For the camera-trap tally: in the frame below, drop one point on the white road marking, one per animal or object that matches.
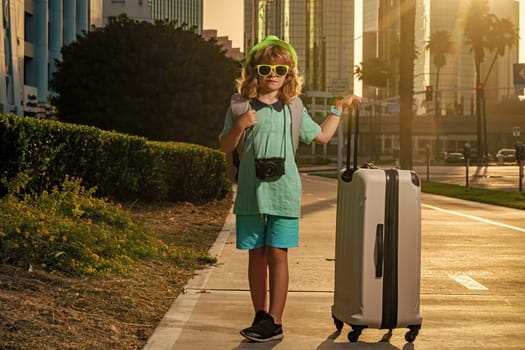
(468, 282)
(475, 218)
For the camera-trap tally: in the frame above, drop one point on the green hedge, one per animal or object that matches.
(120, 166)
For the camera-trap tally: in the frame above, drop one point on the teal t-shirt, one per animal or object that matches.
(270, 137)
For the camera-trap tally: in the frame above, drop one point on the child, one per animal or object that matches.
(267, 204)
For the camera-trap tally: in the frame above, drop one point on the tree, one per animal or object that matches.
(502, 36)
(478, 22)
(154, 80)
(374, 72)
(485, 31)
(440, 45)
(406, 81)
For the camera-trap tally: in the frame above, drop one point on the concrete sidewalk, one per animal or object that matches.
(472, 286)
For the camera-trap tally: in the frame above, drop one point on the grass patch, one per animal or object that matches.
(502, 198)
(70, 230)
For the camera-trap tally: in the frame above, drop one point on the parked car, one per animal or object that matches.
(455, 157)
(506, 155)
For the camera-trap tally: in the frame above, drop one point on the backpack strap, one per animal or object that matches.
(296, 110)
(239, 105)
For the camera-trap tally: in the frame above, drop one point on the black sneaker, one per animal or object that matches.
(259, 316)
(264, 331)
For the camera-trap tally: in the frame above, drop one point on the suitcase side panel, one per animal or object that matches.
(345, 276)
(358, 293)
(409, 262)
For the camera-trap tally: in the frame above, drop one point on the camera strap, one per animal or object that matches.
(283, 143)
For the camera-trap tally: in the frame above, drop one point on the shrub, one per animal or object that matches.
(120, 166)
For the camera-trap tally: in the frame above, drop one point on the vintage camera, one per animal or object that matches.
(269, 167)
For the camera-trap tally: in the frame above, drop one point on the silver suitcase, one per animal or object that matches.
(378, 249)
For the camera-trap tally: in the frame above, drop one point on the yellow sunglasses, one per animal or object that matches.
(265, 70)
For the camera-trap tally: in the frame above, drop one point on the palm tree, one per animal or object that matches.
(478, 22)
(440, 46)
(503, 35)
(406, 81)
(373, 71)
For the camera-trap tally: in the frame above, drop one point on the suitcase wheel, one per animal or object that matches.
(338, 323)
(411, 335)
(353, 336)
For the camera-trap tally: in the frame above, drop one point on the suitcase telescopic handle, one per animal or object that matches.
(380, 248)
(347, 174)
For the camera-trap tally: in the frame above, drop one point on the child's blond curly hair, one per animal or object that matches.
(247, 83)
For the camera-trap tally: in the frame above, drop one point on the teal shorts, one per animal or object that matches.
(255, 231)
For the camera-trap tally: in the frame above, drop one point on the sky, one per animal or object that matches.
(227, 16)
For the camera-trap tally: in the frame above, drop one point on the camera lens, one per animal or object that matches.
(270, 170)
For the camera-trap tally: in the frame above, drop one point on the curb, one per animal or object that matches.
(171, 325)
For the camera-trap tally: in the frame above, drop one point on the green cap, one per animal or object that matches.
(271, 40)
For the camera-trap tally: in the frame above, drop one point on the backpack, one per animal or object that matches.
(240, 105)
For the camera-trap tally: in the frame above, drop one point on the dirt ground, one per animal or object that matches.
(50, 311)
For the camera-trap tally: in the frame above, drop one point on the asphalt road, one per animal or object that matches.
(472, 284)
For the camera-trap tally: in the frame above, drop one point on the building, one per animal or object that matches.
(332, 36)
(319, 32)
(139, 10)
(181, 12)
(457, 77)
(225, 43)
(34, 32)
(381, 31)
(188, 12)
